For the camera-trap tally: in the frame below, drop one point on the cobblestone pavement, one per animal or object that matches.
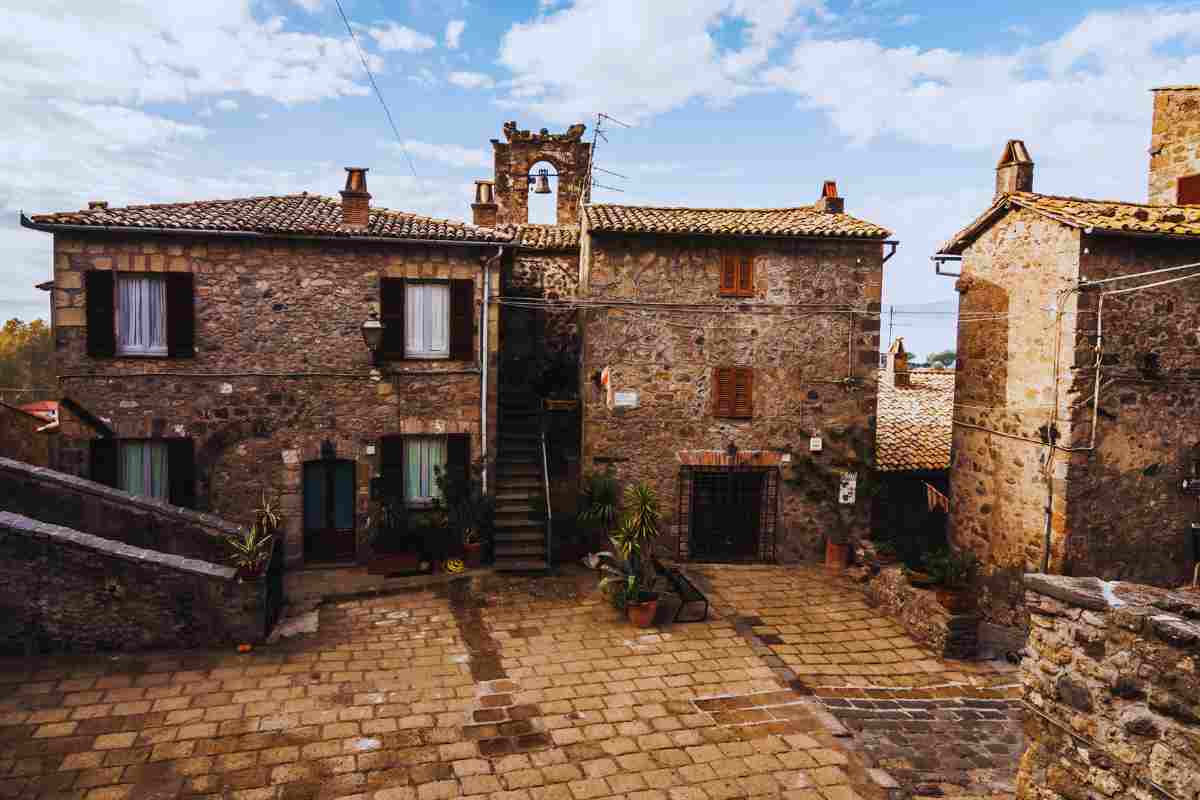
(507, 688)
(936, 726)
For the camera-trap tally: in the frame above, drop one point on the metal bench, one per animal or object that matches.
(687, 591)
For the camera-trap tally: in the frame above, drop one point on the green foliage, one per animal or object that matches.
(26, 354)
(951, 569)
(251, 549)
(626, 572)
(944, 358)
(387, 523)
(468, 510)
(602, 498)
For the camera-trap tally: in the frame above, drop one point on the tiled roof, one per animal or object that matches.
(293, 214)
(914, 423)
(1107, 216)
(798, 222)
(545, 237)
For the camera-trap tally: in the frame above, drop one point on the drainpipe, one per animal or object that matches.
(483, 361)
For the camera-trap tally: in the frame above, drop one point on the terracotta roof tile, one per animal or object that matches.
(294, 214)
(802, 221)
(914, 424)
(1108, 216)
(544, 237)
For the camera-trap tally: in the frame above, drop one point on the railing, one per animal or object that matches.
(546, 484)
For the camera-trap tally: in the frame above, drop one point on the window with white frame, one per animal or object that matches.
(427, 320)
(423, 456)
(141, 306)
(142, 468)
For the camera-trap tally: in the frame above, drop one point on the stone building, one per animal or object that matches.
(1076, 412)
(718, 346)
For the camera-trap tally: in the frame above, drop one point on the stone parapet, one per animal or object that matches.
(1112, 690)
(923, 617)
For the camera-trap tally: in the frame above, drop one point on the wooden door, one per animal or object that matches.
(329, 510)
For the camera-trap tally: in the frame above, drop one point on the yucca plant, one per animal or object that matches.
(603, 498)
(250, 548)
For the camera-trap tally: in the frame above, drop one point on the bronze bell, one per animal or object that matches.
(542, 183)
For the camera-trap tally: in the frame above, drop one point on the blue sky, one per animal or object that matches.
(732, 103)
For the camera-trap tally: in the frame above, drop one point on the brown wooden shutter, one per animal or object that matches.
(743, 393)
(458, 456)
(745, 275)
(181, 472)
(1188, 191)
(102, 461)
(101, 314)
(391, 314)
(722, 392)
(462, 320)
(391, 466)
(181, 315)
(729, 270)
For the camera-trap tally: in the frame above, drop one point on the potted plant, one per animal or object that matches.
(601, 502)
(885, 553)
(467, 510)
(952, 573)
(837, 551)
(634, 539)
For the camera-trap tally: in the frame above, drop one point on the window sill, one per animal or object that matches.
(128, 354)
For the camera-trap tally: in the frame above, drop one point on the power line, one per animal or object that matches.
(363, 58)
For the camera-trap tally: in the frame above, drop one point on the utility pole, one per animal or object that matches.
(891, 324)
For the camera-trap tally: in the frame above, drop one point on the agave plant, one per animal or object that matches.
(250, 549)
(617, 577)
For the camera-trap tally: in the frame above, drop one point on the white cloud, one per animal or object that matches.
(452, 154)
(635, 59)
(225, 104)
(454, 32)
(394, 36)
(425, 77)
(471, 80)
(311, 6)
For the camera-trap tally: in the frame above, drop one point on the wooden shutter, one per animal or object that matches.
(743, 393)
(462, 320)
(729, 269)
(181, 315)
(1188, 191)
(101, 314)
(458, 456)
(181, 472)
(723, 392)
(102, 461)
(391, 314)
(391, 466)
(745, 276)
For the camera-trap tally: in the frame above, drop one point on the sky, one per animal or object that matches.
(729, 103)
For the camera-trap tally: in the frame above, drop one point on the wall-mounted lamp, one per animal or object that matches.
(372, 333)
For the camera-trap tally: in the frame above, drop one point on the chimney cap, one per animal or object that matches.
(897, 347)
(1015, 152)
(94, 204)
(356, 180)
(829, 189)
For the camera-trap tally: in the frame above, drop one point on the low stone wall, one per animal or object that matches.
(56, 497)
(923, 617)
(1113, 691)
(62, 590)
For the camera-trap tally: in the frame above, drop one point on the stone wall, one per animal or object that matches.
(923, 617)
(19, 437)
(1174, 142)
(280, 366)
(801, 355)
(566, 152)
(1112, 692)
(62, 590)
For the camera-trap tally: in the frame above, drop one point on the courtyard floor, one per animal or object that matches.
(520, 688)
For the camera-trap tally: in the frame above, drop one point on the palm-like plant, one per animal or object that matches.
(603, 496)
(624, 570)
(250, 549)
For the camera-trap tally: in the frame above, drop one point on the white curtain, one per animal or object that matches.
(427, 320)
(143, 469)
(421, 455)
(141, 314)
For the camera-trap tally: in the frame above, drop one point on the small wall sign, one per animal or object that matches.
(848, 491)
(814, 444)
(625, 399)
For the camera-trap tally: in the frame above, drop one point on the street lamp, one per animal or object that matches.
(372, 333)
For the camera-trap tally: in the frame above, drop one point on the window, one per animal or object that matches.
(737, 274)
(159, 468)
(427, 320)
(143, 468)
(141, 315)
(423, 457)
(138, 314)
(733, 392)
(1188, 191)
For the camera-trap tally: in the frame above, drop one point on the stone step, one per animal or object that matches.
(510, 494)
(520, 536)
(520, 565)
(520, 549)
(509, 508)
(520, 524)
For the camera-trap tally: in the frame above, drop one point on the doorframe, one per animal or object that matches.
(768, 517)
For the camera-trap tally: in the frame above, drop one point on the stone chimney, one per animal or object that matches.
(97, 204)
(830, 203)
(356, 200)
(484, 211)
(1175, 147)
(897, 364)
(1014, 173)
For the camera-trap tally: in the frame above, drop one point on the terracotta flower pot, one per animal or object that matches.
(641, 614)
(837, 556)
(472, 555)
(953, 599)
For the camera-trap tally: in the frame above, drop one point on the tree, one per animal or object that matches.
(26, 352)
(945, 358)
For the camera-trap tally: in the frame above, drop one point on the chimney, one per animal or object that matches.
(897, 364)
(1174, 178)
(1014, 173)
(485, 210)
(830, 203)
(95, 204)
(356, 200)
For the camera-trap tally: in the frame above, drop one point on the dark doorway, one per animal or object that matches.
(729, 513)
(329, 510)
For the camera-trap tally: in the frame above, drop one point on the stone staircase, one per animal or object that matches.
(520, 525)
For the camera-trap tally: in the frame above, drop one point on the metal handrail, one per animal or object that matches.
(546, 482)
